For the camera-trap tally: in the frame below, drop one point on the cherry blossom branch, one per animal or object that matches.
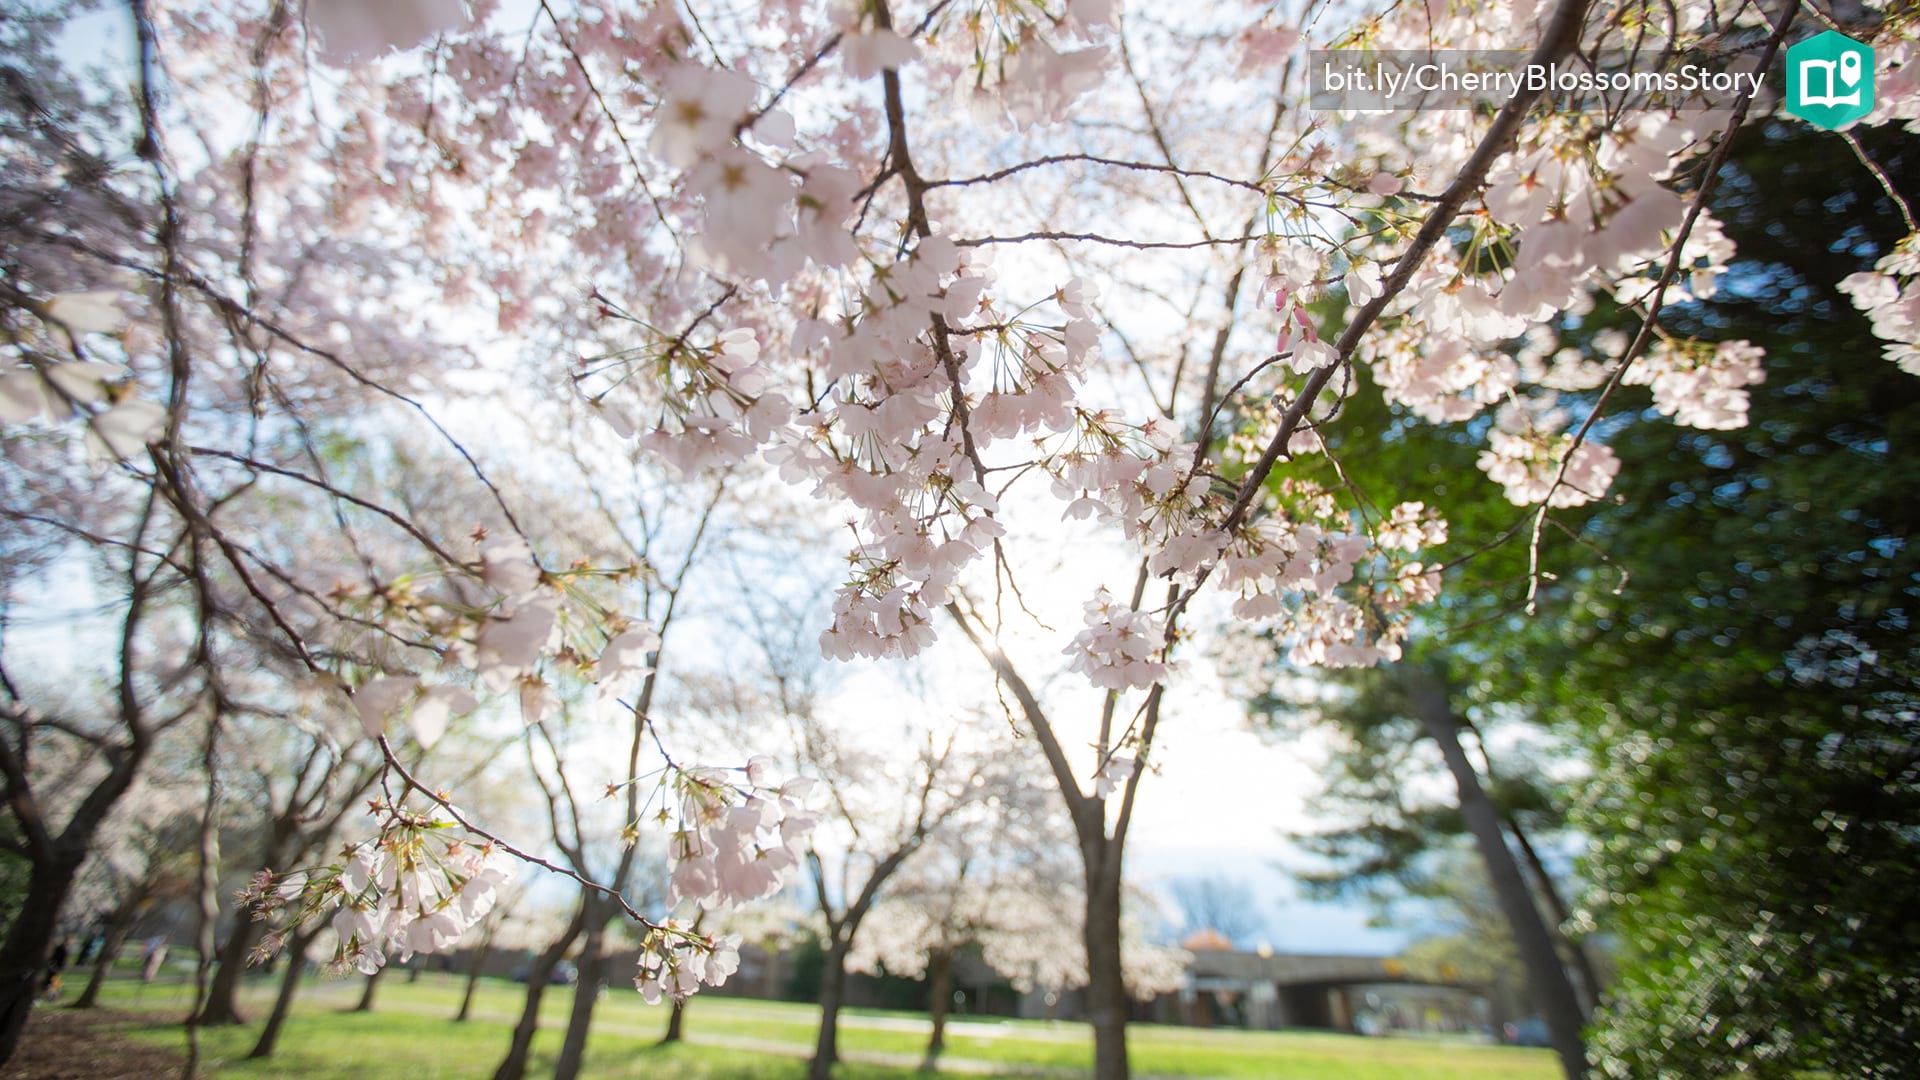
(1110, 241)
(227, 306)
(1160, 136)
(412, 783)
(1096, 159)
(404, 523)
(1709, 179)
(1077, 801)
(1561, 35)
(633, 159)
(826, 47)
(1886, 182)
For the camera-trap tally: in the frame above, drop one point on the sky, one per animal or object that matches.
(1222, 805)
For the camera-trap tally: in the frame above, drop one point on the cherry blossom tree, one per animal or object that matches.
(958, 270)
(982, 874)
(136, 861)
(996, 878)
(560, 737)
(940, 781)
(307, 777)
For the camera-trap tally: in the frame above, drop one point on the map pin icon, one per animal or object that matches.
(1850, 68)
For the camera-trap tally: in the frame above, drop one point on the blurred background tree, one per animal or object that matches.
(1726, 653)
(1748, 702)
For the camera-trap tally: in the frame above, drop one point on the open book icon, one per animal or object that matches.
(1844, 71)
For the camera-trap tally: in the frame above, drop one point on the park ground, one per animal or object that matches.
(410, 1036)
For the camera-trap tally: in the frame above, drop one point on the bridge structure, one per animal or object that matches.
(1266, 990)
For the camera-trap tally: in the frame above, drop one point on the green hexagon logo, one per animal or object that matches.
(1830, 80)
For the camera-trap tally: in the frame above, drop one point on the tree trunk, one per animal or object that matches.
(480, 954)
(833, 991)
(223, 992)
(586, 993)
(514, 1065)
(296, 957)
(939, 999)
(473, 980)
(1107, 1001)
(676, 1024)
(366, 994)
(116, 939)
(1582, 963)
(29, 945)
(1546, 975)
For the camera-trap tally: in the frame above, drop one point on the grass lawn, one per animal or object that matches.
(409, 1036)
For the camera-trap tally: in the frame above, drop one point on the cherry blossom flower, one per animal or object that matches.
(865, 53)
(413, 888)
(699, 109)
(1120, 649)
(356, 28)
(1042, 83)
(97, 312)
(675, 962)
(124, 429)
(733, 844)
(507, 565)
(1113, 775)
(1890, 297)
(1700, 386)
(1526, 465)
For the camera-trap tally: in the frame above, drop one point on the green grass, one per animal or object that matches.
(409, 1036)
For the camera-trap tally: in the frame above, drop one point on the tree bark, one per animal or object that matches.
(833, 992)
(29, 943)
(586, 993)
(480, 954)
(676, 1024)
(296, 957)
(1107, 1000)
(222, 1007)
(1546, 975)
(939, 1000)
(473, 980)
(366, 994)
(514, 1065)
(1582, 963)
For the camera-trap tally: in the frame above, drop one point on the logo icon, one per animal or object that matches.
(1830, 80)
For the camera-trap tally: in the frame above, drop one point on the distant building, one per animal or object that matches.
(1370, 995)
(1265, 990)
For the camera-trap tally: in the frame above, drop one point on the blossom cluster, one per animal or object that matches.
(733, 844)
(928, 375)
(526, 620)
(1534, 467)
(1120, 648)
(676, 961)
(118, 421)
(1293, 270)
(1011, 62)
(1889, 294)
(902, 369)
(414, 888)
(515, 626)
(1701, 386)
